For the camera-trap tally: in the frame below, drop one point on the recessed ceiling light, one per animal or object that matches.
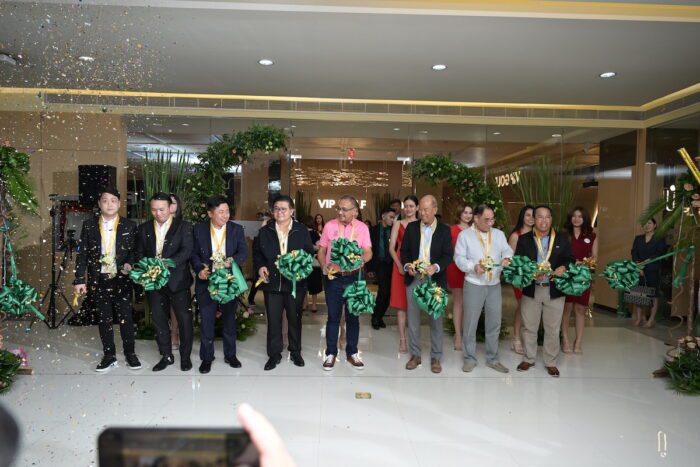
(439, 67)
(185, 124)
(397, 129)
(556, 135)
(265, 62)
(423, 132)
(292, 126)
(86, 59)
(496, 133)
(608, 74)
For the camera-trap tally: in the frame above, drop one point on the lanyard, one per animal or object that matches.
(160, 239)
(538, 240)
(283, 238)
(426, 247)
(108, 243)
(487, 249)
(219, 243)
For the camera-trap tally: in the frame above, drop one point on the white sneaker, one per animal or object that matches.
(356, 362)
(329, 362)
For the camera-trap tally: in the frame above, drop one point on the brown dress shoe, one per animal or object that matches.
(552, 371)
(355, 361)
(524, 366)
(413, 363)
(435, 366)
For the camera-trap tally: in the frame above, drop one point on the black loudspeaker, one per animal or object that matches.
(91, 179)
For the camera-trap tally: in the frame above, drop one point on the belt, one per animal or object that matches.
(348, 273)
(542, 284)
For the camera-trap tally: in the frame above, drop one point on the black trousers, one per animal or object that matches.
(207, 312)
(114, 295)
(276, 304)
(160, 302)
(383, 272)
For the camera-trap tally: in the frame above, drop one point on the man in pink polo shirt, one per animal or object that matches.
(347, 226)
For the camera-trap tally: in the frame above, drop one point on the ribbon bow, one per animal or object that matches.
(622, 274)
(296, 265)
(152, 273)
(17, 297)
(575, 280)
(226, 284)
(358, 299)
(431, 298)
(347, 254)
(520, 272)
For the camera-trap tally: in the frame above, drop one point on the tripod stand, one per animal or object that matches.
(54, 287)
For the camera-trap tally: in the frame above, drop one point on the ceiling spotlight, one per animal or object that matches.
(295, 157)
(397, 129)
(86, 59)
(556, 135)
(423, 132)
(496, 133)
(265, 62)
(185, 124)
(608, 74)
(292, 126)
(439, 67)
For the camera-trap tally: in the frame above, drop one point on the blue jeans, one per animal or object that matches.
(335, 303)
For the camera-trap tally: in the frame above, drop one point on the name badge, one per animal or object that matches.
(587, 240)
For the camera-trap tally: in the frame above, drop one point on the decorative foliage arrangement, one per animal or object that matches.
(220, 157)
(9, 364)
(469, 184)
(379, 202)
(15, 187)
(684, 368)
(550, 184)
(165, 172)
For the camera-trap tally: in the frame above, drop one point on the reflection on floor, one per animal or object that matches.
(604, 410)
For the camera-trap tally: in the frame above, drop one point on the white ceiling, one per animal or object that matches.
(359, 55)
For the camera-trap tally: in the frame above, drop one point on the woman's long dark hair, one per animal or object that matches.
(521, 218)
(178, 201)
(586, 227)
(323, 223)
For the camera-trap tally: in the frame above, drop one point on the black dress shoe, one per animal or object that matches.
(382, 324)
(164, 363)
(205, 367)
(185, 364)
(297, 360)
(233, 362)
(375, 325)
(272, 363)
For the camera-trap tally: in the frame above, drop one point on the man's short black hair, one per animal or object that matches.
(284, 199)
(480, 209)
(214, 202)
(110, 190)
(394, 201)
(160, 196)
(386, 210)
(542, 206)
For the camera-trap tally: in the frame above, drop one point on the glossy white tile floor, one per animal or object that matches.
(605, 409)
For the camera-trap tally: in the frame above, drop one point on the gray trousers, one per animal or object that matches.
(549, 311)
(476, 298)
(413, 316)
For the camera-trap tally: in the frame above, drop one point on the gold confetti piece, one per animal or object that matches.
(363, 395)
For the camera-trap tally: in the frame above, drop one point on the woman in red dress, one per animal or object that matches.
(455, 277)
(526, 219)
(584, 244)
(398, 288)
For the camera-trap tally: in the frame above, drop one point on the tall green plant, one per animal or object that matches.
(544, 183)
(302, 206)
(163, 171)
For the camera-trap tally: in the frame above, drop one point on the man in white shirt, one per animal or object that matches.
(481, 252)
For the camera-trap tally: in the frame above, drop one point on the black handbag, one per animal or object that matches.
(640, 295)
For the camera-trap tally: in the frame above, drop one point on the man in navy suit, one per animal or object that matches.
(216, 244)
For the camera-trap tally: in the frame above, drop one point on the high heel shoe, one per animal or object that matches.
(517, 347)
(402, 345)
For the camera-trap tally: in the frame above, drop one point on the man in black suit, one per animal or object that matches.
(431, 242)
(106, 252)
(170, 237)
(381, 264)
(216, 244)
(541, 300)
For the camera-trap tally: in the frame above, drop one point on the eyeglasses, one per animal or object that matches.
(341, 209)
(488, 220)
(280, 209)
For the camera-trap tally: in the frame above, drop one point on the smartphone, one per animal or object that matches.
(176, 447)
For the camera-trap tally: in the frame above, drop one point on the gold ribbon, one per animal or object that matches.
(545, 268)
(108, 244)
(487, 262)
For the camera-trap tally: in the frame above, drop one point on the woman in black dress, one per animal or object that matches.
(645, 247)
(315, 280)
